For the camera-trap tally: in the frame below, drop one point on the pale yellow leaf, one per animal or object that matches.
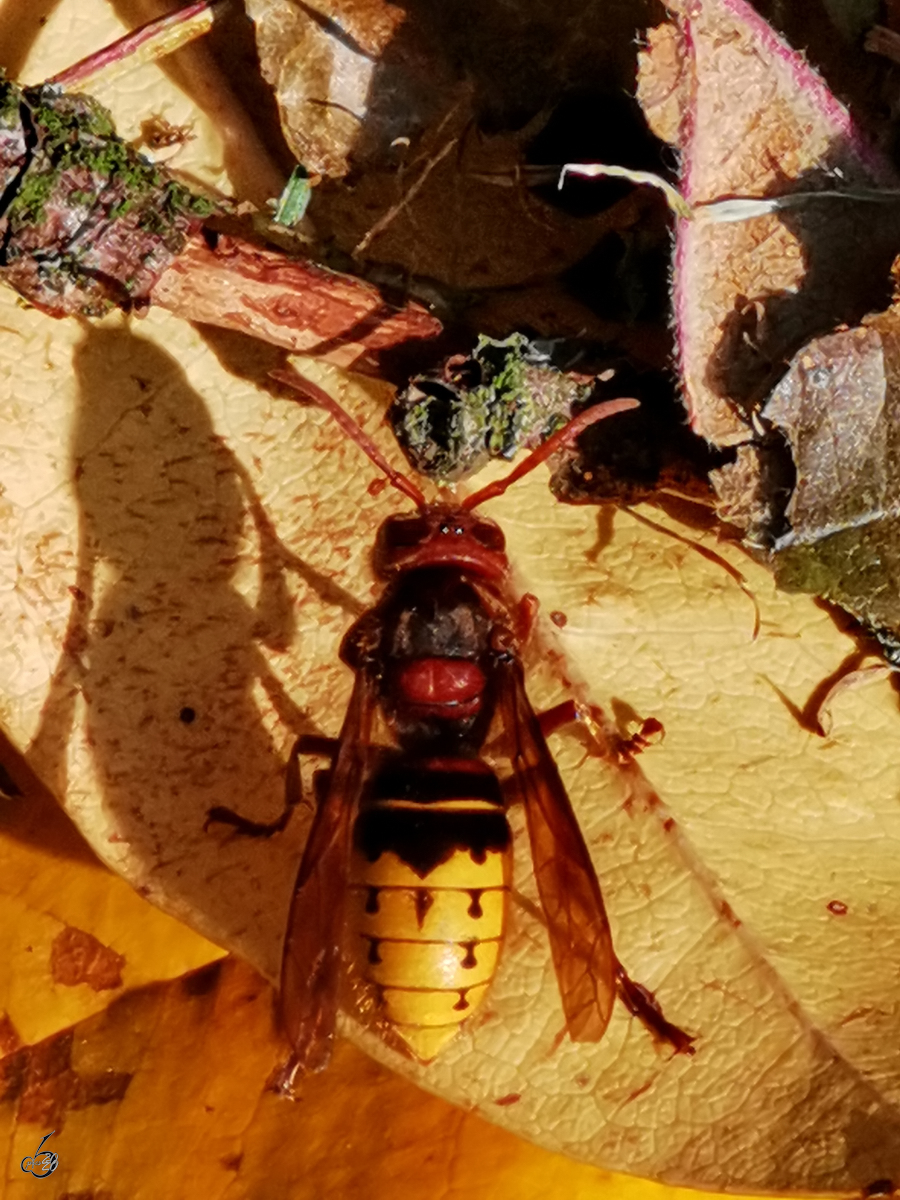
(182, 552)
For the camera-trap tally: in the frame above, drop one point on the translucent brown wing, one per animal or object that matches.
(580, 939)
(311, 968)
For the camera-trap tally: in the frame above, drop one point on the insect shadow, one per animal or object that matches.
(20, 26)
(162, 681)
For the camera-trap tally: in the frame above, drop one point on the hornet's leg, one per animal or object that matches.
(306, 744)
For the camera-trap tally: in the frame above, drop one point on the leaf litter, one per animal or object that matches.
(812, 481)
(217, 552)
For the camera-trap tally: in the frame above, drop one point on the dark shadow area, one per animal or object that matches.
(630, 459)
(20, 27)
(595, 124)
(162, 668)
(606, 515)
(519, 59)
(809, 716)
(30, 814)
(873, 1155)
(245, 357)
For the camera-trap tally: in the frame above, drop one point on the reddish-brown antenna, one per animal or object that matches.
(561, 438)
(404, 484)
(295, 380)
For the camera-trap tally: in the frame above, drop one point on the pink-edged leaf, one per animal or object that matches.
(752, 118)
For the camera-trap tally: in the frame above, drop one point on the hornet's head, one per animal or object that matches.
(441, 536)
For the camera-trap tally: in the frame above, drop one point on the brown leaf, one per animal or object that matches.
(836, 407)
(322, 61)
(751, 118)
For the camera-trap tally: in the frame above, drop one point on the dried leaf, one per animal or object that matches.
(752, 118)
(322, 61)
(183, 552)
(195, 646)
(836, 407)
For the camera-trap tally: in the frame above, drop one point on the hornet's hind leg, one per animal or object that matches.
(310, 744)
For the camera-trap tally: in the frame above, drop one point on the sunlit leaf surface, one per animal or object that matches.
(182, 552)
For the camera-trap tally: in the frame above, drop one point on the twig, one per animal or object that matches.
(386, 218)
(290, 302)
(145, 44)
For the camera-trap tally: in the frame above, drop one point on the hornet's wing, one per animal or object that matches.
(580, 938)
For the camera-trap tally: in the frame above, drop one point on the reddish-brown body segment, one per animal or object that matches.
(453, 685)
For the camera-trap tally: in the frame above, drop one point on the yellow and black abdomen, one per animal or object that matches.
(429, 879)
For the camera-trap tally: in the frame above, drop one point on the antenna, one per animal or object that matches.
(404, 484)
(561, 438)
(295, 380)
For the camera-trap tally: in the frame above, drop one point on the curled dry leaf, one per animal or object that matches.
(752, 118)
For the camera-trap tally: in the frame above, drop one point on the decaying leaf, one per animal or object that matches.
(438, 150)
(837, 409)
(752, 118)
(182, 551)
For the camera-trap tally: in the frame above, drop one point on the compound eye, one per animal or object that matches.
(490, 536)
(405, 531)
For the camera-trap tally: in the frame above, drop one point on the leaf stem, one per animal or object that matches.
(728, 208)
(144, 44)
